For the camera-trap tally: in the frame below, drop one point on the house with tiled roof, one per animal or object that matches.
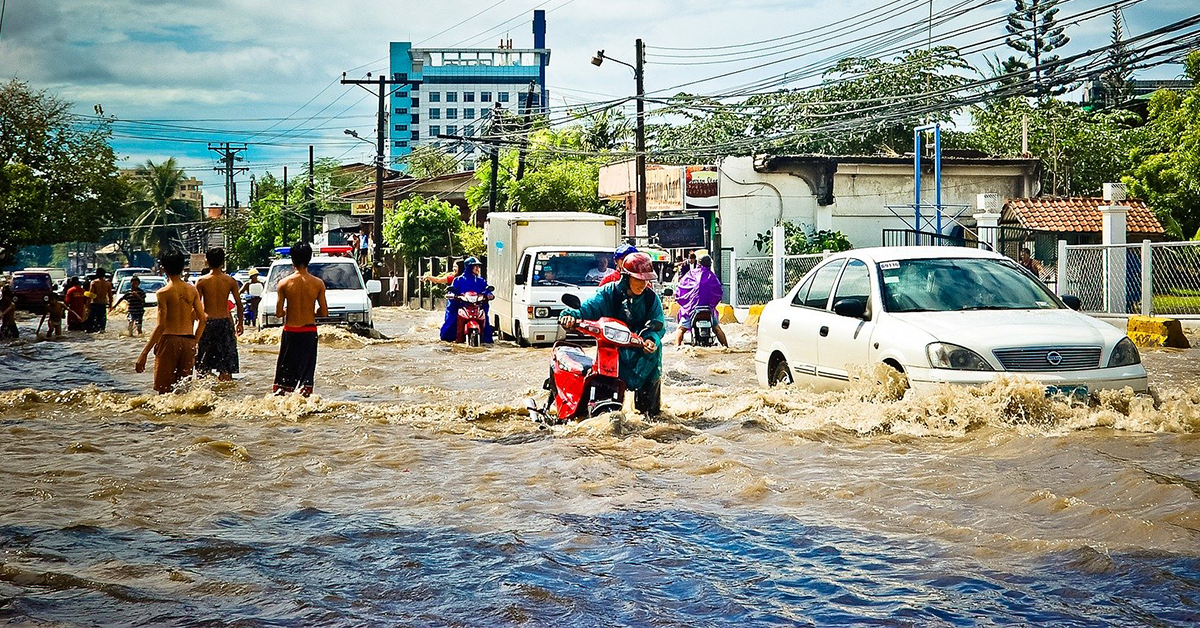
(1078, 219)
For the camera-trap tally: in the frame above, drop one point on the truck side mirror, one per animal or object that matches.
(519, 279)
(374, 286)
(571, 301)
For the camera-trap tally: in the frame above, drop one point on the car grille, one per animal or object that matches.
(1042, 358)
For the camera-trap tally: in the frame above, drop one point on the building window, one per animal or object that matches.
(416, 134)
(451, 96)
(434, 130)
(451, 130)
(401, 110)
(468, 114)
(401, 127)
(502, 96)
(435, 114)
(401, 144)
(468, 96)
(485, 97)
(416, 102)
(416, 117)
(435, 97)
(452, 114)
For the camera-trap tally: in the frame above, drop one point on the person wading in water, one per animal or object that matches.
(180, 321)
(299, 296)
(217, 348)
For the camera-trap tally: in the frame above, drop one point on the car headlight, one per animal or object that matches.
(541, 312)
(1124, 354)
(356, 317)
(943, 355)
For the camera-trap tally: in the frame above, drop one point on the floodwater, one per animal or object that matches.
(413, 490)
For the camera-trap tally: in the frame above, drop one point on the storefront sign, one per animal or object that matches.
(367, 208)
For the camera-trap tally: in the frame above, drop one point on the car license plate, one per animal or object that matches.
(1073, 392)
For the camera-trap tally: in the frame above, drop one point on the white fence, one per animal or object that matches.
(753, 280)
(1150, 278)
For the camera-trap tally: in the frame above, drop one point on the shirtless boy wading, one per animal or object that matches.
(299, 295)
(217, 348)
(174, 338)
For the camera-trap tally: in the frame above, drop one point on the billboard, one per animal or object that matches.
(367, 208)
(677, 188)
(701, 187)
(678, 232)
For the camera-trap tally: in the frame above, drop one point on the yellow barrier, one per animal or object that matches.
(726, 313)
(1154, 331)
(755, 313)
(673, 310)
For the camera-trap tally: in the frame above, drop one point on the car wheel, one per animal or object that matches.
(780, 374)
(901, 382)
(522, 341)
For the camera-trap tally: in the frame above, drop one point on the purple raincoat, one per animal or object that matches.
(699, 287)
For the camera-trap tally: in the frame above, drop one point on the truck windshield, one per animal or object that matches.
(574, 268)
(336, 275)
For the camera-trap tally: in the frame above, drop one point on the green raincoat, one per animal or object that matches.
(637, 367)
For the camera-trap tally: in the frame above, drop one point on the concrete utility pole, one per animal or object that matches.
(309, 225)
(494, 143)
(525, 128)
(229, 154)
(283, 211)
(638, 75)
(382, 84)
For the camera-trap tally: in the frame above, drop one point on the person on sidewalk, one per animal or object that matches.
(217, 349)
(180, 321)
(301, 299)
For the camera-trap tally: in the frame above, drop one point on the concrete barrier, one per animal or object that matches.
(673, 310)
(755, 313)
(1154, 331)
(725, 313)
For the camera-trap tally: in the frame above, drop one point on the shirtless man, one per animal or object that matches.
(174, 338)
(102, 291)
(217, 348)
(299, 296)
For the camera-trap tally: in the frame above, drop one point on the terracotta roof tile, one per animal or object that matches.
(1076, 215)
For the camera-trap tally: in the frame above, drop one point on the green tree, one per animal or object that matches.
(1116, 81)
(160, 214)
(58, 178)
(427, 160)
(562, 185)
(424, 227)
(1166, 166)
(1033, 30)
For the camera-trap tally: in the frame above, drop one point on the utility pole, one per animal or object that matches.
(641, 134)
(283, 211)
(382, 84)
(525, 128)
(229, 154)
(495, 166)
(309, 226)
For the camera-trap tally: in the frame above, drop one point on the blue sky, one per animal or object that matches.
(266, 72)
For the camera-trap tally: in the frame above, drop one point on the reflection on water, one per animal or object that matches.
(413, 489)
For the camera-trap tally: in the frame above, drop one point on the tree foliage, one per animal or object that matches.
(425, 227)
(427, 160)
(58, 179)
(159, 214)
(797, 240)
(1166, 168)
(1116, 81)
(1033, 30)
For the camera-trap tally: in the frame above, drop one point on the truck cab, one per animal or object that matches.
(536, 258)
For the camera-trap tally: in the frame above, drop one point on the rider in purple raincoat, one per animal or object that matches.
(700, 287)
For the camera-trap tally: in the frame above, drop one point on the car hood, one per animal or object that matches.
(989, 329)
(335, 299)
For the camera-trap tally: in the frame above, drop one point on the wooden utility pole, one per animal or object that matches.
(229, 154)
(309, 230)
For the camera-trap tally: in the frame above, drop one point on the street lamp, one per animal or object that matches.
(638, 73)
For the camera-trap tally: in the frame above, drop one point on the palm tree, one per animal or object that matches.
(159, 212)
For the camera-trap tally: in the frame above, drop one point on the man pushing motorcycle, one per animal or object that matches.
(632, 301)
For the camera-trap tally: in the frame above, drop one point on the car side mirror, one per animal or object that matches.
(374, 287)
(850, 308)
(571, 301)
(1072, 302)
(668, 292)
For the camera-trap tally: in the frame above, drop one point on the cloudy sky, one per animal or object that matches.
(181, 73)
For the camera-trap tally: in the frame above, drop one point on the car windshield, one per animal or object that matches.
(336, 275)
(147, 284)
(31, 282)
(947, 285)
(575, 268)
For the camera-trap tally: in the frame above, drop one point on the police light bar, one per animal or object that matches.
(336, 250)
(283, 250)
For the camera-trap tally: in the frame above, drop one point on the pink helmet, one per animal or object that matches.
(639, 265)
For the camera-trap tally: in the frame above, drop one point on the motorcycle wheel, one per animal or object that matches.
(474, 339)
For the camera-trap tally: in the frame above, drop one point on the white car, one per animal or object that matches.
(150, 284)
(346, 294)
(937, 315)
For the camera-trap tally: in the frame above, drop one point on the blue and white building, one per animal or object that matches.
(458, 90)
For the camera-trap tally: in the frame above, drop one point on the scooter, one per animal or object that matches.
(702, 327)
(580, 386)
(471, 317)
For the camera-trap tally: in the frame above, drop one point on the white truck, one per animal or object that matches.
(536, 257)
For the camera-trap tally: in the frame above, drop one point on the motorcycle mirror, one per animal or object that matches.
(571, 301)
(654, 326)
(668, 292)
(490, 288)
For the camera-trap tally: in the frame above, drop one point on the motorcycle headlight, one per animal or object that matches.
(619, 336)
(1124, 354)
(943, 355)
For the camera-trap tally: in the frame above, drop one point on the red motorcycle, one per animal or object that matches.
(471, 317)
(580, 386)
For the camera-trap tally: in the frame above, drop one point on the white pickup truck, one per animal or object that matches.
(348, 298)
(536, 257)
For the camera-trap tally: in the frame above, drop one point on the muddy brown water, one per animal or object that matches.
(414, 490)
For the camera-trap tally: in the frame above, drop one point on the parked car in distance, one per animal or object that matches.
(346, 294)
(31, 290)
(150, 284)
(937, 315)
(121, 274)
(57, 275)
